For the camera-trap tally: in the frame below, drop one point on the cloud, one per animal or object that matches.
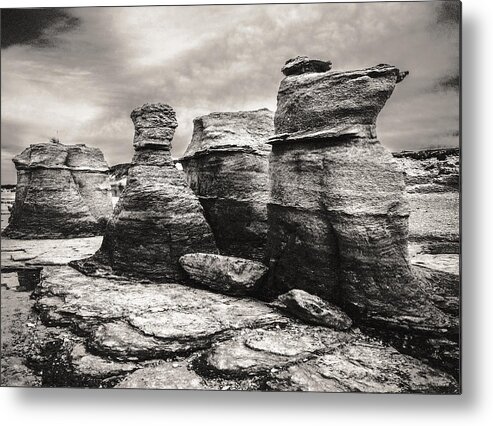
(220, 58)
(448, 13)
(449, 83)
(36, 27)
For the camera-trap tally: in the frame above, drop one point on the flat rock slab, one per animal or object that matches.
(300, 357)
(434, 216)
(362, 366)
(26, 254)
(135, 320)
(226, 274)
(449, 263)
(259, 351)
(169, 375)
(88, 365)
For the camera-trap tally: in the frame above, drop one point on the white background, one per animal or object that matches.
(474, 406)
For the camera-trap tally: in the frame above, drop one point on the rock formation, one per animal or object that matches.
(227, 167)
(62, 191)
(338, 214)
(168, 336)
(158, 218)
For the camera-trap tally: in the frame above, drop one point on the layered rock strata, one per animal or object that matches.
(227, 167)
(158, 218)
(338, 214)
(62, 191)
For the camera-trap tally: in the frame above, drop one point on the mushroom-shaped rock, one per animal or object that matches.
(312, 309)
(158, 218)
(227, 166)
(62, 191)
(338, 213)
(225, 274)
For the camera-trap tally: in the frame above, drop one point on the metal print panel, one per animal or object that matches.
(285, 218)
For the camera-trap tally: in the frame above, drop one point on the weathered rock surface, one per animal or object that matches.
(313, 310)
(338, 213)
(164, 376)
(259, 351)
(238, 343)
(318, 359)
(227, 165)
(226, 274)
(131, 320)
(87, 365)
(158, 219)
(34, 254)
(363, 366)
(62, 192)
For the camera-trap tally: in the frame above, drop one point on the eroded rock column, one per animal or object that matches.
(158, 217)
(338, 214)
(227, 166)
(62, 192)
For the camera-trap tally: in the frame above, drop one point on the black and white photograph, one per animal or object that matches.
(242, 197)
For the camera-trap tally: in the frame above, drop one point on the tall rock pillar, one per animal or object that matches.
(338, 215)
(227, 166)
(158, 218)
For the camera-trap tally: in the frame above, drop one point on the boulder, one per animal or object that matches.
(226, 274)
(158, 218)
(314, 310)
(62, 192)
(227, 166)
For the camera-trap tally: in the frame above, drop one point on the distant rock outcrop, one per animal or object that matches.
(158, 218)
(338, 214)
(227, 165)
(432, 179)
(118, 178)
(62, 191)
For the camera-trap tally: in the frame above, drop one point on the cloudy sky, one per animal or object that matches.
(77, 73)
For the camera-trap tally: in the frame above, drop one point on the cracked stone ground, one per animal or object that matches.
(74, 330)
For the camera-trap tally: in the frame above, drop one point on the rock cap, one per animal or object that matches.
(334, 104)
(51, 155)
(245, 131)
(303, 64)
(155, 126)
